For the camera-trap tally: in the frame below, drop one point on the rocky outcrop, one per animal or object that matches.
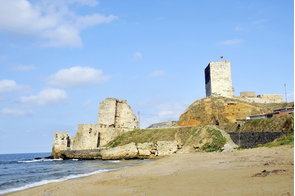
(226, 110)
(146, 149)
(128, 151)
(81, 154)
(166, 147)
(162, 125)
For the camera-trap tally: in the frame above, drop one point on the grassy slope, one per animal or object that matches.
(285, 122)
(205, 138)
(283, 140)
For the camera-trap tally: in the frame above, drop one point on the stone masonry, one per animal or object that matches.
(248, 94)
(60, 142)
(218, 83)
(218, 79)
(115, 117)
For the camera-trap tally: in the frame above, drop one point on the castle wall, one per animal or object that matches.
(125, 118)
(249, 94)
(60, 142)
(115, 117)
(264, 98)
(87, 137)
(107, 111)
(274, 98)
(218, 79)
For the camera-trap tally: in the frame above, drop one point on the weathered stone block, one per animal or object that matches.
(248, 94)
(166, 147)
(145, 149)
(127, 151)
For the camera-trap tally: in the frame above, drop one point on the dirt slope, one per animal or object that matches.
(205, 111)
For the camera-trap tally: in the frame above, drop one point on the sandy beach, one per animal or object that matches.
(258, 171)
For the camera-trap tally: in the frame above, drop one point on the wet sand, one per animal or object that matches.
(258, 171)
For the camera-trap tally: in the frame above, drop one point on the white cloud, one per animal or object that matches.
(46, 97)
(87, 102)
(231, 42)
(52, 21)
(157, 74)
(16, 112)
(23, 68)
(11, 85)
(258, 22)
(137, 56)
(77, 77)
(238, 28)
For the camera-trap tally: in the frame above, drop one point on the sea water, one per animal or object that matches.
(23, 171)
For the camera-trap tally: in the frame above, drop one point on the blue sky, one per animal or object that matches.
(60, 58)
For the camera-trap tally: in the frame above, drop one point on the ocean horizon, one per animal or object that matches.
(20, 171)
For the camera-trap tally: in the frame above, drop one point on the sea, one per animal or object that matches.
(23, 171)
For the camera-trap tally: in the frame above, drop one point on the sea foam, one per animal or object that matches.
(70, 177)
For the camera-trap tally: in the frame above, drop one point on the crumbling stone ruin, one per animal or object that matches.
(60, 141)
(115, 117)
(218, 83)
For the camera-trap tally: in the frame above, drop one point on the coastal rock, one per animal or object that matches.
(227, 148)
(127, 151)
(145, 148)
(185, 150)
(166, 147)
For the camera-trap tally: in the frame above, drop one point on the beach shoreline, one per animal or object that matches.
(257, 171)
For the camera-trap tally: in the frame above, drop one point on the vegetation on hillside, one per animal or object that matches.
(200, 137)
(283, 140)
(281, 123)
(207, 110)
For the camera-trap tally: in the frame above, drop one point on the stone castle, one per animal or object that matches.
(115, 117)
(218, 82)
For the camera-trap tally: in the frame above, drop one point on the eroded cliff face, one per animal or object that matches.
(226, 110)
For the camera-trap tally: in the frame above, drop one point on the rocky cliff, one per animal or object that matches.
(227, 110)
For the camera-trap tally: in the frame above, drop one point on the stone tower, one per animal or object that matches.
(218, 79)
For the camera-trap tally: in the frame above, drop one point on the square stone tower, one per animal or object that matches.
(218, 79)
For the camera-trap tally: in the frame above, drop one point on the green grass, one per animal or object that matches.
(218, 141)
(283, 140)
(188, 136)
(285, 122)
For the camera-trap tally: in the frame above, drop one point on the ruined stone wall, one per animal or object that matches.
(249, 94)
(87, 137)
(60, 142)
(263, 99)
(115, 117)
(218, 79)
(116, 113)
(107, 111)
(275, 98)
(125, 118)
